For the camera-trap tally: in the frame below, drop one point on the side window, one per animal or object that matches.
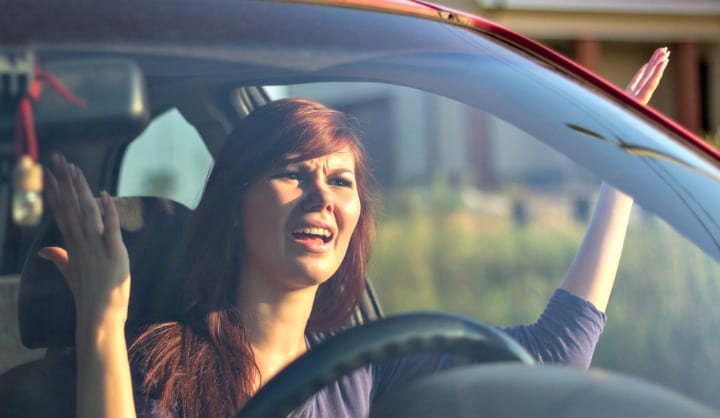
(168, 160)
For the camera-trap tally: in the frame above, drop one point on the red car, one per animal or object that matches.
(469, 126)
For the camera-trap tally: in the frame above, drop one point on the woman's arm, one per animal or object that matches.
(96, 267)
(569, 328)
(592, 272)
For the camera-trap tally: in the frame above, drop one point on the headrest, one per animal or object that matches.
(155, 232)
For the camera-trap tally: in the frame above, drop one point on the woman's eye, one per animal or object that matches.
(290, 175)
(341, 182)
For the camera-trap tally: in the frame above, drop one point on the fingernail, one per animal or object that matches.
(73, 170)
(42, 255)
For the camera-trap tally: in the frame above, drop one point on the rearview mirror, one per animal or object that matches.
(112, 89)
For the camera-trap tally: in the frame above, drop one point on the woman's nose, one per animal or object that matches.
(319, 199)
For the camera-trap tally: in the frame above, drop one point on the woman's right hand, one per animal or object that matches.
(95, 260)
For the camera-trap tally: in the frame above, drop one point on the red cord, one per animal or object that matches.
(25, 128)
(25, 122)
(58, 86)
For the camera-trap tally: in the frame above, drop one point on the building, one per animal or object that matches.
(613, 37)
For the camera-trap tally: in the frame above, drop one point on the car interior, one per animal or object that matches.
(154, 228)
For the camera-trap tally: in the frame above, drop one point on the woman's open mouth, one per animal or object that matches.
(313, 238)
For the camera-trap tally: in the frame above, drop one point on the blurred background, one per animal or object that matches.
(613, 37)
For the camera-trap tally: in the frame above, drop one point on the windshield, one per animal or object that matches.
(570, 116)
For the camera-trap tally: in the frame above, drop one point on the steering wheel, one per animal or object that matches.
(397, 335)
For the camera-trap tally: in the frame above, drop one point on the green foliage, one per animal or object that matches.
(663, 318)
(455, 259)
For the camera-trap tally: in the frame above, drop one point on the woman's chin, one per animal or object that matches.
(315, 273)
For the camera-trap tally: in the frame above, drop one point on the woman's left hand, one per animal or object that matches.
(646, 79)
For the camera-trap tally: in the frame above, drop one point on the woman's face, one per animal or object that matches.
(298, 221)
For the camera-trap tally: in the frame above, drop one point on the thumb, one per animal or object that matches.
(57, 256)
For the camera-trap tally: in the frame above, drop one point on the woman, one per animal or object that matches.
(277, 260)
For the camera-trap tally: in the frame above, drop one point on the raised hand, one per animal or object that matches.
(646, 79)
(95, 261)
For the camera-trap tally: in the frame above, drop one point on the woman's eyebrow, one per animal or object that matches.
(342, 170)
(296, 166)
(305, 166)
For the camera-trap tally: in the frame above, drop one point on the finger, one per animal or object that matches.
(62, 219)
(659, 57)
(91, 219)
(646, 91)
(663, 52)
(636, 79)
(57, 256)
(67, 196)
(641, 74)
(68, 213)
(111, 233)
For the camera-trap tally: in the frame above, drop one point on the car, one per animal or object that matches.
(469, 126)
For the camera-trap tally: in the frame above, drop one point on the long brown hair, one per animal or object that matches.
(204, 365)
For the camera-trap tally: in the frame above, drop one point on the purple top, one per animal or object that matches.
(566, 333)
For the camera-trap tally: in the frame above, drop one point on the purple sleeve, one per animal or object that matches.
(566, 333)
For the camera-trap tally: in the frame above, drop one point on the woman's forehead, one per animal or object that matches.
(343, 158)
